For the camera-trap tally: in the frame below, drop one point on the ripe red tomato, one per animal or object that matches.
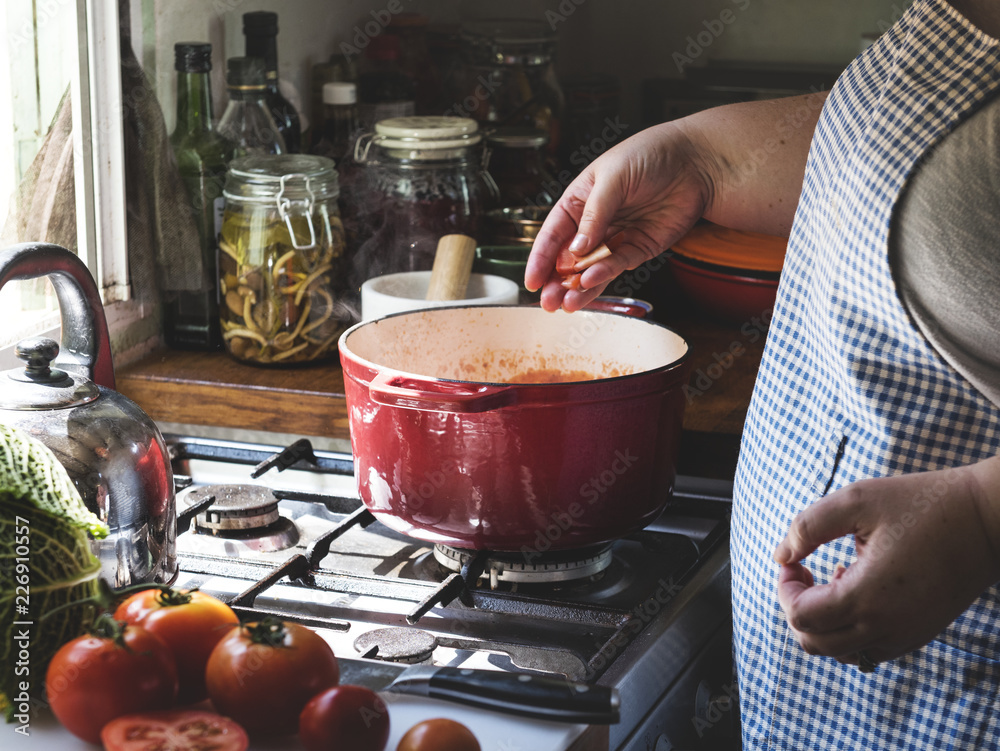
(438, 734)
(351, 717)
(263, 674)
(178, 730)
(119, 670)
(191, 623)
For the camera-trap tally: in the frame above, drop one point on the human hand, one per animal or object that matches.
(651, 188)
(926, 548)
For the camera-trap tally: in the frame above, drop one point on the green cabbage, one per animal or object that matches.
(46, 562)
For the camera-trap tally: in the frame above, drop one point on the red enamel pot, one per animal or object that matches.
(460, 439)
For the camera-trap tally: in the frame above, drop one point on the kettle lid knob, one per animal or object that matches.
(38, 352)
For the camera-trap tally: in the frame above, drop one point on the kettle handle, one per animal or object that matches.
(86, 345)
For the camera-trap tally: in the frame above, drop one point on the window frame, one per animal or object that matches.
(99, 166)
(99, 148)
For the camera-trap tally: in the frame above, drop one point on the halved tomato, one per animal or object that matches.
(177, 730)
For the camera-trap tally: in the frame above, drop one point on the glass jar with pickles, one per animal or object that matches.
(281, 251)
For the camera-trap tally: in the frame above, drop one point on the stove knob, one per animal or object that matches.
(714, 715)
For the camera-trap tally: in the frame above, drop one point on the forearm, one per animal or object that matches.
(985, 487)
(754, 157)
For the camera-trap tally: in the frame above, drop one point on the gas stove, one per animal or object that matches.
(281, 531)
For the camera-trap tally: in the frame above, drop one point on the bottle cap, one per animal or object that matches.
(340, 92)
(260, 22)
(193, 57)
(246, 72)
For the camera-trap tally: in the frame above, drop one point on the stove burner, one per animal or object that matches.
(248, 513)
(558, 566)
(396, 645)
(236, 507)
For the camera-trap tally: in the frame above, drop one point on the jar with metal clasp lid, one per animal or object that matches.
(281, 252)
(422, 177)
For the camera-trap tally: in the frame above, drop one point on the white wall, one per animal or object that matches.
(649, 39)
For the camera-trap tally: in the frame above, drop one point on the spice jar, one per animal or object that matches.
(280, 256)
(422, 177)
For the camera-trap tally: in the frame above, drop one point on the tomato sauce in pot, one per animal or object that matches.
(551, 375)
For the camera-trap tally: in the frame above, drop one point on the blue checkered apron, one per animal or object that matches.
(849, 389)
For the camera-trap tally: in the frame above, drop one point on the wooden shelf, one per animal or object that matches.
(211, 388)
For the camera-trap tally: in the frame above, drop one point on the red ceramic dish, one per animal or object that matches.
(734, 295)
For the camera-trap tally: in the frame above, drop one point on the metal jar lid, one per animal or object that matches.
(293, 183)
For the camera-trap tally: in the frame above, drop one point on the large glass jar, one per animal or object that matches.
(281, 252)
(510, 76)
(421, 178)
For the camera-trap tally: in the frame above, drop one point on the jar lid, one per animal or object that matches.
(425, 137)
(340, 92)
(427, 132)
(518, 138)
(294, 176)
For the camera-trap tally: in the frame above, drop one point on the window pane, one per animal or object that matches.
(38, 58)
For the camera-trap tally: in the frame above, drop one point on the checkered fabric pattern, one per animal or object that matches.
(849, 389)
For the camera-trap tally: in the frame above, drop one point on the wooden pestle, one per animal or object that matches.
(452, 267)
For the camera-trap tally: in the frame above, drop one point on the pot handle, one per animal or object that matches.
(413, 392)
(86, 345)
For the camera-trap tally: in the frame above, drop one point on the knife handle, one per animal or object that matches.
(527, 695)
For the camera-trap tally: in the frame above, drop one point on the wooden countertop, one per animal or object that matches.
(213, 389)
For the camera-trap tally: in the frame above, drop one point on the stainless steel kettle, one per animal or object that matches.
(111, 449)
